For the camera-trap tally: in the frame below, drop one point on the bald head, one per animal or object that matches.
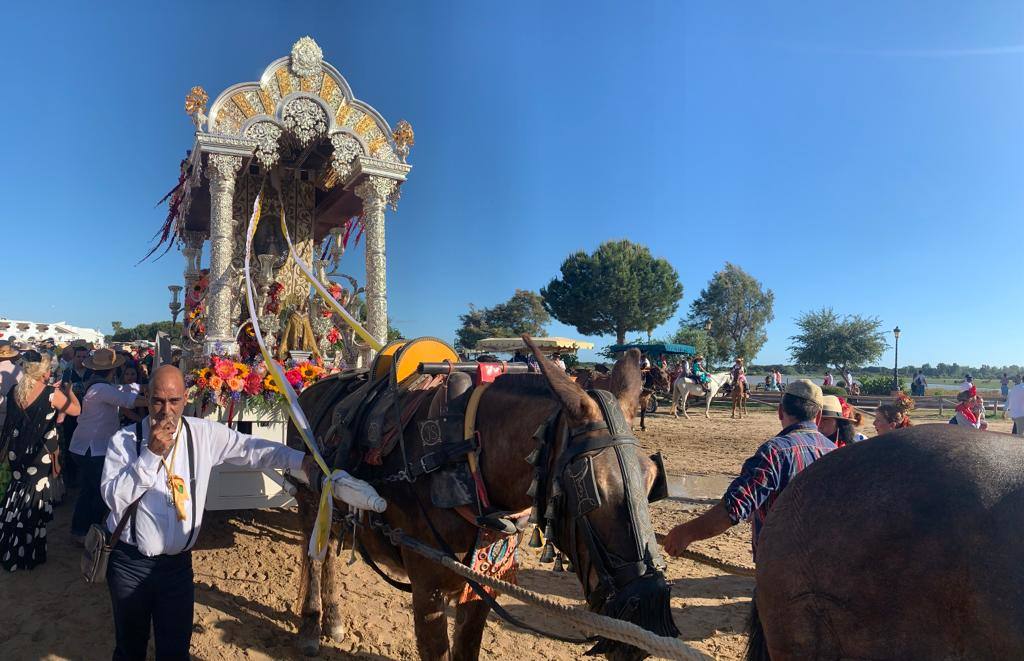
(166, 398)
(168, 376)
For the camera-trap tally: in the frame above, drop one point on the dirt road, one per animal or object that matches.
(246, 569)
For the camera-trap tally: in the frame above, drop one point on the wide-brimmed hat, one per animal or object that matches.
(831, 407)
(104, 359)
(7, 351)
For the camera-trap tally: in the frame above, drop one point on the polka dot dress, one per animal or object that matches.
(27, 507)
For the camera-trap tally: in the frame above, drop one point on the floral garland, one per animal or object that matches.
(240, 385)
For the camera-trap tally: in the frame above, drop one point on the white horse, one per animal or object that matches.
(683, 389)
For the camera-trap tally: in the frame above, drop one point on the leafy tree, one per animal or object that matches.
(145, 332)
(826, 340)
(523, 313)
(698, 338)
(617, 289)
(736, 308)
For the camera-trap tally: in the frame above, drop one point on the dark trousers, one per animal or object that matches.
(69, 469)
(157, 591)
(89, 508)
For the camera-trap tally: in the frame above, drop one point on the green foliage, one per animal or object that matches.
(698, 338)
(838, 391)
(737, 307)
(878, 385)
(826, 340)
(618, 289)
(393, 333)
(523, 313)
(145, 332)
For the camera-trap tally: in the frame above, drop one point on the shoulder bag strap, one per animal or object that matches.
(138, 451)
(192, 481)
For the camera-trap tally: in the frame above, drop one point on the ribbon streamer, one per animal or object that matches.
(320, 289)
(322, 528)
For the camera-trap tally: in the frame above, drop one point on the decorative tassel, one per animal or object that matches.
(532, 491)
(534, 518)
(559, 566)
(556, 489)
(536, 540)
(548, 556)
(532, 457)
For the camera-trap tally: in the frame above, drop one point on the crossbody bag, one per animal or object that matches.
(99, 544)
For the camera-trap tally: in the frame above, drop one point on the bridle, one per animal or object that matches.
(565, 490)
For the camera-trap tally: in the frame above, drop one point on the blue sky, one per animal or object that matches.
(867, 156)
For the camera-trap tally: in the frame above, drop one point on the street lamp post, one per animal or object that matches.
(896, 361)
(175, 305)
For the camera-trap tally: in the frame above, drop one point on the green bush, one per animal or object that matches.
(838, 391)
(879, 385)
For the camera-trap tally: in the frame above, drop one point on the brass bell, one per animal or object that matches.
(536, 539)
(559, 566)
(548, 556)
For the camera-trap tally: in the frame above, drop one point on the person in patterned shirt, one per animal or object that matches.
(751, 495)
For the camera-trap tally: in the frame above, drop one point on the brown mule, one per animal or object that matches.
(614, 553)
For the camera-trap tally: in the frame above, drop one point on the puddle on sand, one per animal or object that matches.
(698, 487)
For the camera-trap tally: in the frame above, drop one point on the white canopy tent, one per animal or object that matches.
(548, 345)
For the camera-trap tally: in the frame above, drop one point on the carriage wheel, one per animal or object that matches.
(652, 405)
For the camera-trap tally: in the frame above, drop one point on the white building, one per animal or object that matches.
(60, 332)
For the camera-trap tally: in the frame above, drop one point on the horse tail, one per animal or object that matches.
(757, 646)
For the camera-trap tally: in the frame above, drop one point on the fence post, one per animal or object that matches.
(941, 402)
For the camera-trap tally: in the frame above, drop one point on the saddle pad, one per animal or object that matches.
(494, 555)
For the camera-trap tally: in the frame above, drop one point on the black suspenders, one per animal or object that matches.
(191, 478)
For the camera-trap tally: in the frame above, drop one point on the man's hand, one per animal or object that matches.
(161, 439)
(677, 540)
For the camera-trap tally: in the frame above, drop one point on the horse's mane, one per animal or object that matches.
(524, 385)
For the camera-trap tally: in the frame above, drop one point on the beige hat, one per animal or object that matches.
(105, 359)
(805, 389)
(7, 351)
(831, 407)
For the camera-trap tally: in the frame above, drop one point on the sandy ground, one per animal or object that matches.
(247, 572)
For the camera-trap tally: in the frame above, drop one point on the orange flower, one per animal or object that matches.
(215, 382)
(201, 382)
(225, 369)
(236, 384)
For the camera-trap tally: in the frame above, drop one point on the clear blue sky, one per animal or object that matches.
(867, 156)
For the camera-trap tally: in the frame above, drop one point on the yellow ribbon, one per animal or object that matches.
(322, 528)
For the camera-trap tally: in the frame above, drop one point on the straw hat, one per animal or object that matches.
(104, 359)
(7, 351)
(831, 407)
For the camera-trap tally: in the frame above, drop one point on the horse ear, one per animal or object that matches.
(626, 383)
(577, 403)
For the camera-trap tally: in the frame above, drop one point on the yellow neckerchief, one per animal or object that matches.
(175, 484)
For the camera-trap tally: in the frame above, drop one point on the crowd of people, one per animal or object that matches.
(113, 422)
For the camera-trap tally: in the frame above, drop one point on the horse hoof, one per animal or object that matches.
(337, 632)
(309, 646)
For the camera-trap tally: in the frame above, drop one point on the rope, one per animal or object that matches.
(581, 620)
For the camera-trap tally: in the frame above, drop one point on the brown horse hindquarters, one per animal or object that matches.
(903, 546)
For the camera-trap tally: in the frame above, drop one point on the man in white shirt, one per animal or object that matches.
(99, 420)
(967, 383)
(1015, 405)
(150, 569)
(10, 374)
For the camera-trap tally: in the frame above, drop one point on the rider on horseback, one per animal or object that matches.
(700, 374)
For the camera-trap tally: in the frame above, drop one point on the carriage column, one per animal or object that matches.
(222, 170)
(375, 191)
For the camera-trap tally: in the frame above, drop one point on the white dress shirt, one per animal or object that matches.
(1015, 401)
(10, 374)
(100, 417)
(126, 476)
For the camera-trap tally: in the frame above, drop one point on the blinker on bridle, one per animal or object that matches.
(571, 487)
